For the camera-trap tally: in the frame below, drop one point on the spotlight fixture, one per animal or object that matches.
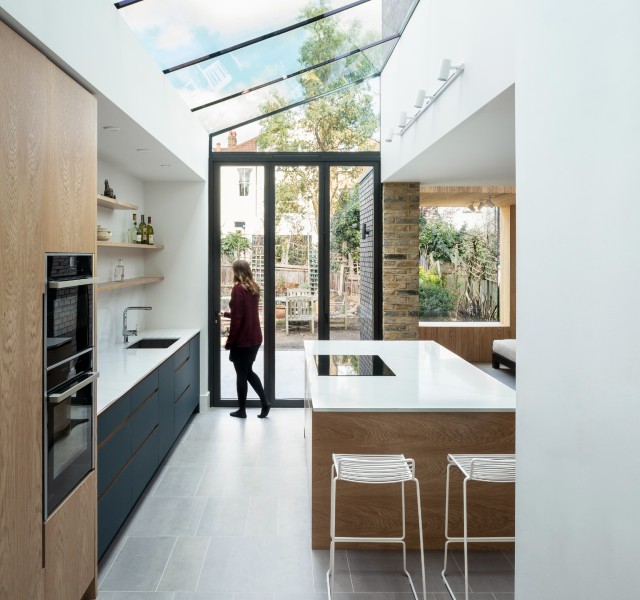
(472, 208)
(420, 99)
(490, 203)
(446, 67)
(402, 119)
(389, 136)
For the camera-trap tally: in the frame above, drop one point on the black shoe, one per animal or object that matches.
(264, 412)
(241, 414)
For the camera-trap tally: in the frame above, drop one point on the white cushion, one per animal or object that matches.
(506, 348)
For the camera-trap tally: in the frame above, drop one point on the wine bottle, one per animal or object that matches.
(132, 232)
(139, 231)
(149, 231)
(142, 230)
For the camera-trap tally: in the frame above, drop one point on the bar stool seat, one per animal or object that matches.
(490, 468)
(374, 469)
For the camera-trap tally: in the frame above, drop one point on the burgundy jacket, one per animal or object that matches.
(245, 322)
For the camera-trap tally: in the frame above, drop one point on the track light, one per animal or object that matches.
(472, 208)
(420, 99)
(402, 119)
(446, 67)
(490, 203)
(389, 136)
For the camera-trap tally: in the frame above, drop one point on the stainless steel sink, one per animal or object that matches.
(152, 343)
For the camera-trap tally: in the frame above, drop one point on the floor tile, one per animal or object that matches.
(320, 566)
(179, 481)
(224, 516)
(167, 516)
(294, 516)
(488, 571)
(246, 564)
(139, 565)
(185, 564)
(205, 596)
(262, 518)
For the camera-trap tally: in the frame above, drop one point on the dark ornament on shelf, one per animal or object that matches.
(108, 192)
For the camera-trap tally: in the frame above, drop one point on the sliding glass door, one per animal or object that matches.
(297, 221)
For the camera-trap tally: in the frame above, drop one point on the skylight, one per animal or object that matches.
(238, 62)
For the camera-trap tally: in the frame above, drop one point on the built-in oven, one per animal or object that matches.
(69, 376)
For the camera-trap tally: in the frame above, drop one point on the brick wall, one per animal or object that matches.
(366, 258)
(400, 223)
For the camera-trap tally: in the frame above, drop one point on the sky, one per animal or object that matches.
(175, 31)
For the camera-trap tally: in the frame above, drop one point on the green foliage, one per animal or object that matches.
(438, 237)
(345, 224)
(232, 244)
(435, 301)
(429, 277)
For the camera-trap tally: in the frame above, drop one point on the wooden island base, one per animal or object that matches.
(427, 437)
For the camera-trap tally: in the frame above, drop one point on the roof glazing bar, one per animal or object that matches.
(295, 104)
(300, 72)
(125, 3)
(261, 38)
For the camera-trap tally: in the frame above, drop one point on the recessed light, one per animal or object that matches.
(166, 166)
(111, 128)
(143, 150)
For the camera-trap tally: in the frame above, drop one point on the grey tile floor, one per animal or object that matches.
(228, 518)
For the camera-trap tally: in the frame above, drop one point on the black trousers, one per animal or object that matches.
(243, 359)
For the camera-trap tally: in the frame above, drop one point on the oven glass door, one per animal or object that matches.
(69, 438)
(69, 306)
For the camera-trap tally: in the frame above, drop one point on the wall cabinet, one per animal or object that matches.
(136, 433)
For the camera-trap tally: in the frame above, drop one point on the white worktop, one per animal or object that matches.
(427, 377)
(121, 368)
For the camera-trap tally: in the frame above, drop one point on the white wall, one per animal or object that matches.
(480, 34)
(180, 222)
(578, 126)
(93, 40)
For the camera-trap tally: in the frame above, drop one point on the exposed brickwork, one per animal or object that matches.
(400, 224)
(366, 258)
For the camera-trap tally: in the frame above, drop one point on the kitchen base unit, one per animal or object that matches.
(136, 432)
(434, 404)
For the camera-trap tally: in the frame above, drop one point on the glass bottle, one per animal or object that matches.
(142, 231)
(149, 231)
(118, 272)
(132, 232)
(139, 231)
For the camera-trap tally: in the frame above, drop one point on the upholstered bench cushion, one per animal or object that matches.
(506, 348)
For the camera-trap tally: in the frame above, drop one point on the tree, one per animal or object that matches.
(344, 121)
(345, 225)
(232, 244)
(438, 237)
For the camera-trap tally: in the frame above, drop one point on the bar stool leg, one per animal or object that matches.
(466, 542)
(404, 532)
(332, 533)
(424, 580)
(446, 530)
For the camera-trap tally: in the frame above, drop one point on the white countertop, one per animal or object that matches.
(428, 377)
(120, 368)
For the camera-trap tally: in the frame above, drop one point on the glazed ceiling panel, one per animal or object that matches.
(230, 61)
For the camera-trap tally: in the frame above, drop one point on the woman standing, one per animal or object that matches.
(245, 336)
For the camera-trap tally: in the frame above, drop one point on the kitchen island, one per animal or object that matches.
(434, 403)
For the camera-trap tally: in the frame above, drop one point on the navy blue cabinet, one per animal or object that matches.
(136, 433)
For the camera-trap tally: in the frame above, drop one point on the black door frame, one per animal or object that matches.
(324, 161)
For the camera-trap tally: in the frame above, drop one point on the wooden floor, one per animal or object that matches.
(427, 437)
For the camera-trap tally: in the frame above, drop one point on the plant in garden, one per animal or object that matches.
(232, 244)
(345, 224)
(435, 299)
(438, 237)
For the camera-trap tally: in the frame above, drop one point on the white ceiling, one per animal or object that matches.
(120, 148)
(479, 151)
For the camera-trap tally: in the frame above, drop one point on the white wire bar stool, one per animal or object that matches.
(374, 469)
(491, 468)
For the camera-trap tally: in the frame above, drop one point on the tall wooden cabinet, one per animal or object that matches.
(48, 159)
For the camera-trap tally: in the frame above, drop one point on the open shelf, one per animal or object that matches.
(114, 204)
(108, 286)
(136, 246)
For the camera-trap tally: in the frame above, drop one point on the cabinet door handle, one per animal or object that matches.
(57, 398)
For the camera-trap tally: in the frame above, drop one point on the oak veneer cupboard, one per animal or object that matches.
(48, 162)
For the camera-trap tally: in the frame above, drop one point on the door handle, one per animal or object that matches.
(57, 398)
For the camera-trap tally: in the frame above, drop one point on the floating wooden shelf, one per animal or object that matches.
(124, 245)
(108, 286)
(114, 204)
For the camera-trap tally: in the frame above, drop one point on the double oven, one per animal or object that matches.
(69, 412)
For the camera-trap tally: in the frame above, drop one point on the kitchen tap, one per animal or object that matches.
(127, 332)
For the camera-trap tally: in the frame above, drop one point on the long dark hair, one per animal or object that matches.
(242, 274)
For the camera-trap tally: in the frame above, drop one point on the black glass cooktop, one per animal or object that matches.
(352, 364)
